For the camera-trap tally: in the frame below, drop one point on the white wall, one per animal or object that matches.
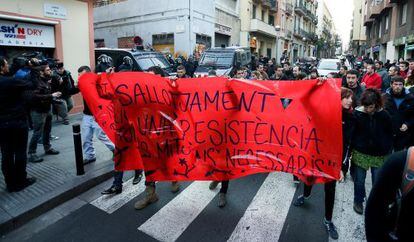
(130, 18)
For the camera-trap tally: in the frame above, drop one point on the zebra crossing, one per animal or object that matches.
(259, 209)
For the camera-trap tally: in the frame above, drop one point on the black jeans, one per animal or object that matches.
(42, 126)
(224, 186)
(329, 197)
(13, 143)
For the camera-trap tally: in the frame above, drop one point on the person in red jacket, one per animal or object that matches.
(371, 79)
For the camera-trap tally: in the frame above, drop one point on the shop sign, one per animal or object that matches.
(399, 41)
(27, 35)
(410, 38)
(54, 11)
(221, 29)
(376, 48)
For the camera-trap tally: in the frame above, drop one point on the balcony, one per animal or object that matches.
(300, 9)
(274, 6)
(368, 21)
(313, 37)
(288, 34)
(267, 3)
(301, 33)
(259, 26)
(375, 11)
(289, 9)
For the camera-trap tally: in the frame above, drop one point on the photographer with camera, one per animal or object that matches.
(41, 97)
(64, 83)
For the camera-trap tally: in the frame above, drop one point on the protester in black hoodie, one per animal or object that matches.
(13, 130)
(41, 101)
(346, 101)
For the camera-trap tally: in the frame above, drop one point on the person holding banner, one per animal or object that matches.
(346, 101)
(372, 141)
(150, 191)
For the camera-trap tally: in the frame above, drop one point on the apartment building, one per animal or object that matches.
(389, 29)
(304, 31)
(258, 26)
(358, 37)
(326, 32)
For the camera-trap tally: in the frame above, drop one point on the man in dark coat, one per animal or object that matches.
(399, 103)
(13, 130)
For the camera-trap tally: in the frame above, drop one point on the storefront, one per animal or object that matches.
(222, 35)
(60, 30)
(376, 52)
(20, 38)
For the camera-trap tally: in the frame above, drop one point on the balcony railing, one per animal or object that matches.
(288, 33)
(289, 8)
(100, 3)
(257, 25)
(300, 8)
(301, 33)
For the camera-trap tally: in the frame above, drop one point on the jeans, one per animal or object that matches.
(359, 182)
(329, 197)
(42, 126)
(89, 128)
(13, 143)
(64, 107)
(118, 175)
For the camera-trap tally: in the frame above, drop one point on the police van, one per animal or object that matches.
(223, 60)
(141, 59)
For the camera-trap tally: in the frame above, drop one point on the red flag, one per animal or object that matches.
(219, 129)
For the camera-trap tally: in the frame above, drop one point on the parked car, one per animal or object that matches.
(223, 60)
(327, 66)
(142, 59)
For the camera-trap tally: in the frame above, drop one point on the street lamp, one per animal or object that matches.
(304, 46)
(277, 28)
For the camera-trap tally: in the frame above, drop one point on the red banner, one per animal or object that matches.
(216, 128)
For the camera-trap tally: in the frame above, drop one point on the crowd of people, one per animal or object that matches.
(377, 102)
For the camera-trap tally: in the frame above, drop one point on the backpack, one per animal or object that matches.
(407, 185)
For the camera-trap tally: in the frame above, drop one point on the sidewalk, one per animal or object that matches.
(56, 179)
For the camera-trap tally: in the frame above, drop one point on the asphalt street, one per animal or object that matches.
(259, 208)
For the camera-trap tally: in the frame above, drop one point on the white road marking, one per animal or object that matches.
(111, 203)
(172, 220)
(350, 225)
(265, 216)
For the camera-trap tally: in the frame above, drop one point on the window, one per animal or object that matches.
(403, 14)
(254, 12)
(379, 30)
(271, 20)
(387, 20)
(263, 15)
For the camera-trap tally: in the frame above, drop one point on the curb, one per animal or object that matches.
(69, 190)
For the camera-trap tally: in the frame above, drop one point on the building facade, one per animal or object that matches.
(60, 29)
(304, 32)
(227, 23)
(389, 29)
(175, 27)
(358, 37)
(326, 32)
(258, 26)
(285, 19)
